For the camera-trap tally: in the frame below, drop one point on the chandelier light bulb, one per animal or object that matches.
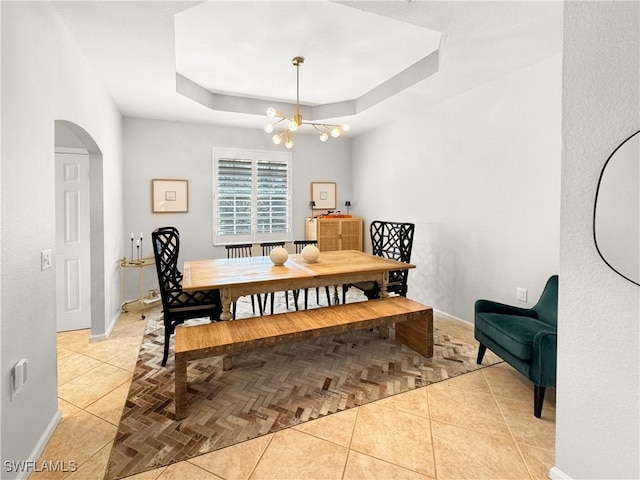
(291, 123)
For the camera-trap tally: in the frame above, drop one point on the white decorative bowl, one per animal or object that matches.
(279, 255)
(310, 253)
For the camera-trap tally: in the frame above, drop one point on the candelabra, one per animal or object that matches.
(138, 257)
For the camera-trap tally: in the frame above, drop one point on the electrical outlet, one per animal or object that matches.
(45, 259)
(521, 294)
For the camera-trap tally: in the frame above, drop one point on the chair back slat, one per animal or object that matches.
(166, 248)
(300, 244)
(239, 251)
(268, 246)
(393, 240)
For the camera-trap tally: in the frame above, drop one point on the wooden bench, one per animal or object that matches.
(414, 328)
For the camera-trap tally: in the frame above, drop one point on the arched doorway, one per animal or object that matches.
(71, 138)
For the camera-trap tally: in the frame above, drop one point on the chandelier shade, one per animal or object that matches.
(293, 122)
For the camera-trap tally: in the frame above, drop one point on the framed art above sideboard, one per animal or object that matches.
(324, 195)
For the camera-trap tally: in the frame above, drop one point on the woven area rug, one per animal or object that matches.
(267, 390)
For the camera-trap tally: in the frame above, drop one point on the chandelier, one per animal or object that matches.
(323, 129)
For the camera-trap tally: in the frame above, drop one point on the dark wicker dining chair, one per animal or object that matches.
(392, 240)
(241, 251)
(299, 245)
(177, 305)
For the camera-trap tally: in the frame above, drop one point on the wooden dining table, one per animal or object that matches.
(237, 277)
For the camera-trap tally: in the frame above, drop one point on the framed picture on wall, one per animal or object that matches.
(324, 194)
(169, 195)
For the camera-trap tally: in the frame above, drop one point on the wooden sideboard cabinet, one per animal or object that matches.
(335, 233)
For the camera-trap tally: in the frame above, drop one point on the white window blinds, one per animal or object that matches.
(272, 196)
(252, 196)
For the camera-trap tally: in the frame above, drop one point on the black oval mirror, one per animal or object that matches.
(616, 216)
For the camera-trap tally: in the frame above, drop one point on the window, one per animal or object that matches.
(251, 196)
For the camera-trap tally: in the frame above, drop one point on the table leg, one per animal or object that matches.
(180, 387)
(383, 285)
(383, 330)
(225, 297)
(123, 292)
(417, 333)
(227, 363)
(141, 290)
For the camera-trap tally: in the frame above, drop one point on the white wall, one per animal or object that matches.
(44, 78)
(2, 398)
(161, 149)
(598, 406)
(479, 175)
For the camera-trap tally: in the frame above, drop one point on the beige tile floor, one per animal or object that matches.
(476, 426)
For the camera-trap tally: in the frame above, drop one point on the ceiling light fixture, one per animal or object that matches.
(323, 129)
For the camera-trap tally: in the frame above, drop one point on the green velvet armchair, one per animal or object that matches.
(525, 338)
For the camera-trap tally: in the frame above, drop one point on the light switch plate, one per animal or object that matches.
(45, 259)
(19, 377)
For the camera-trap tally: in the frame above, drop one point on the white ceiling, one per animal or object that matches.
(347, 51)
(244, 49)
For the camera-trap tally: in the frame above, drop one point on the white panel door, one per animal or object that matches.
(73, 275)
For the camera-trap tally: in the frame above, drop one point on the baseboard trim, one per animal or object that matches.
(42, 444)
(452, 317)
(72, 150)
(104, 336)
(556, 474)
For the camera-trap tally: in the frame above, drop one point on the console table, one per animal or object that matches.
(335, 233)
(143, 301)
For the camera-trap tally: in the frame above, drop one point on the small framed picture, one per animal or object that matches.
(169, 195)
(324, 195)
